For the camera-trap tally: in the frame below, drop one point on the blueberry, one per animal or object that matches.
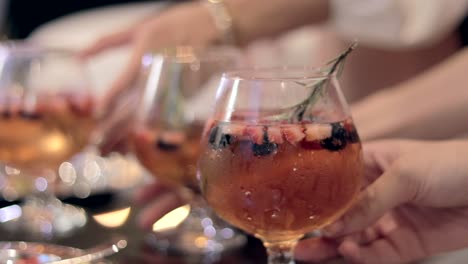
(29, 115)
(266, 148)
(166, 146)
(219, 141)
(353, 136)
(338, 139)
(225, 140)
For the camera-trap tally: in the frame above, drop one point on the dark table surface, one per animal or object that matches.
(138, 250)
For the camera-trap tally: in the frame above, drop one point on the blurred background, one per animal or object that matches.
(18, 22)
(104, 185)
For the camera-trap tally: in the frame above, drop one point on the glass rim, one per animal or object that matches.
(286, 73)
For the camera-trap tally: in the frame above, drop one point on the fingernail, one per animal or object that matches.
(333, 229)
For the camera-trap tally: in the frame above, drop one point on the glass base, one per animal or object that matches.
(45, 216)
(201, 233)
(30, 252)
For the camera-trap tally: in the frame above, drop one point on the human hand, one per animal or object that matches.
(415, 206)
(183, 24)
(168, 28)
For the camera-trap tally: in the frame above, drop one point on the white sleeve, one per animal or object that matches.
(397, 24)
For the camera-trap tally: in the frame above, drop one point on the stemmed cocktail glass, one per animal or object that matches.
(47, 114)
(280, 156)
(176, 100)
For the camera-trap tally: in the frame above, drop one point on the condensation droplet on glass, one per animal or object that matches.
(248, 200)
(275, 214)
(213, 156)
(247, 216)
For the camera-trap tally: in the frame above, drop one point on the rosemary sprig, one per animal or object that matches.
(318, 88)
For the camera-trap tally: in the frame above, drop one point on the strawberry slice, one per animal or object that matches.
(317, 131)
(255, 133)
(234, 129)
(274, 135)
(293, 133)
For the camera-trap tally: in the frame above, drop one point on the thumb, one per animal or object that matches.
(388, 191)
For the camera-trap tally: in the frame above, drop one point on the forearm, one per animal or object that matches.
(254, 19)
(433, 105)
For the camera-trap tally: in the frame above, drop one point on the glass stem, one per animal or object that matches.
(200, 210)
(280, 252)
